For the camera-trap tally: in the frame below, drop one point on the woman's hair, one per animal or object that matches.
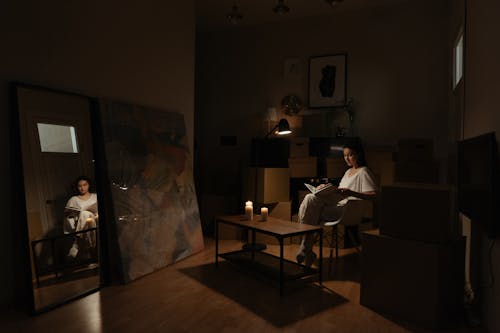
(357, 147)
(79, 179)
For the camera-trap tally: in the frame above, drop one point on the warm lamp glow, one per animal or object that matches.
(282, 128)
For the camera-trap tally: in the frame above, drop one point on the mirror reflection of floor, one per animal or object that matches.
(55, 290)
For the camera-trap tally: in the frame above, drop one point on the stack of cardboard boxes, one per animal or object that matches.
(381, 162)
(268, 187)
(301, 166)
(415, 162)
(300, 163)
(413, 266)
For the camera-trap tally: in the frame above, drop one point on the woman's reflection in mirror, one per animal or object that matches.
(81, 214)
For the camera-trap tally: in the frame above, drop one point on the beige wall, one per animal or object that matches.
(398, 75)
(135, 51)
(482, 115)
(482, 69)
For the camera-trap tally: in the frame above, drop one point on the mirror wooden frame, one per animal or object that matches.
(23, 262)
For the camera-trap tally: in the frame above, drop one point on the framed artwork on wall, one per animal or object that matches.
(328, 81)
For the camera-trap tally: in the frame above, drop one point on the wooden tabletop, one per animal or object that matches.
(272, 226)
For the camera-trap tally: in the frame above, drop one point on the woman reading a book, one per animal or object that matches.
(81, 213)
(328, 201)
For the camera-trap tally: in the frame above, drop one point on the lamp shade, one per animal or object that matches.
(283, 127)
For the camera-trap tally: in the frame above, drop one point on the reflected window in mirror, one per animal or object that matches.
(57, 138)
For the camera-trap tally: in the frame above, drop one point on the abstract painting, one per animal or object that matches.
(149, 168)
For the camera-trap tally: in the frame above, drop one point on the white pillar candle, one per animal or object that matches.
(249, 212)
(264, 212)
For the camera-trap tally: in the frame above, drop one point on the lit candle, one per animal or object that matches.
(264, 212)
(249, 203)
(249, 213)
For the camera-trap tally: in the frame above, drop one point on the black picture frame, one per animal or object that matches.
(327, 82)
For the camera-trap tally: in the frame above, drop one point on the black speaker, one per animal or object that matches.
(270, 153)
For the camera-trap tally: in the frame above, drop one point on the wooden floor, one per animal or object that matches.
(194, 296)
(45, 296)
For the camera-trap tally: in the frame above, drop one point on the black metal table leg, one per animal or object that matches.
(320, 267)
(277, 231)
(253, 244)
(216, 243)
(282, 275)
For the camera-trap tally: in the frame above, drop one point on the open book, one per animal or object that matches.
(327, 188)
(92, 208)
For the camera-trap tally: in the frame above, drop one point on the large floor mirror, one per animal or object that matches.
(61, 204)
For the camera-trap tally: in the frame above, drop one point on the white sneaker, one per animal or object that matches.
(73, 251)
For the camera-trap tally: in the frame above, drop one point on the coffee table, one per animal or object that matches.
(266, 264)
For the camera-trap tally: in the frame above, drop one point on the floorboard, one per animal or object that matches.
(194, 296)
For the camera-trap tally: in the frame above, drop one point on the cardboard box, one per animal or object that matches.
(415, 150)
(299, 147)
(376, 156)
(213, 205)
(335, 167)
(280, 210)
(386, 173)
(382, 165)
(422, 212)
(417, 172)
(303, 167)
(272, 185)
(411, 280)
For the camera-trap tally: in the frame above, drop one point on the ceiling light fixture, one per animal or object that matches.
(281, 8)
(234, 17)
(333, 3)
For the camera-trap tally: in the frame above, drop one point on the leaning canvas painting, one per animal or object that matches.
(149, 168)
